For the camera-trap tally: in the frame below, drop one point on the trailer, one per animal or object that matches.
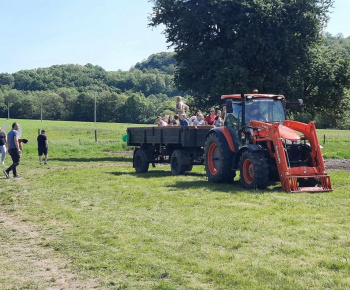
(181, 146)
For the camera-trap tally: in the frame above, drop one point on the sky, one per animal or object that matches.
(113, 34)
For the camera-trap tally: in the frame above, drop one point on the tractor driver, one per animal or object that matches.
(253, 113)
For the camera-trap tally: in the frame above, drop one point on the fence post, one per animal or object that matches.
(95, 135)
(324, 139)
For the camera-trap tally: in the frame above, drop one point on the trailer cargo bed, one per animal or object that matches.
(182, 147)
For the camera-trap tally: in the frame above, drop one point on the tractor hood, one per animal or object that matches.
(288, 134)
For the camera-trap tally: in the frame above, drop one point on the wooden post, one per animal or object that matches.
(95, 135)
(324, 139)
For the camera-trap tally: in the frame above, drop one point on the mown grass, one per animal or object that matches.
(157, 231)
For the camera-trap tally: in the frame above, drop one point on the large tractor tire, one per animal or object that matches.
(254, 170)
(141, 163)
(218, 163)
(179, 162)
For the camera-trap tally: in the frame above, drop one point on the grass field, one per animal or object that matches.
(118, 229)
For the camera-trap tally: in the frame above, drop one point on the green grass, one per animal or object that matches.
(157, 231)
(335, 143)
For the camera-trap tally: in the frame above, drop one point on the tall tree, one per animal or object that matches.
(226, 46)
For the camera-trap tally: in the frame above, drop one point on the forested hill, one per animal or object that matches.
(152, 76)
(67, 91)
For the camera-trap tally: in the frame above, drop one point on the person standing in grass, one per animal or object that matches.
(14, 150)
(2, 146)
(43, 146)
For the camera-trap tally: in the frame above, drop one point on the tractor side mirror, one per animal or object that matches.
(299, 105)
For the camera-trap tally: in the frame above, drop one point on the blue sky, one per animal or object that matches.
(113, 34)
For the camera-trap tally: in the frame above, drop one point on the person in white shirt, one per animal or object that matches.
(161, 122)
(199, 121)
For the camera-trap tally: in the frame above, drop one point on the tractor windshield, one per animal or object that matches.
(265, 109)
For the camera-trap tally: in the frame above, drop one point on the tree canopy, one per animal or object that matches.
(226, 46)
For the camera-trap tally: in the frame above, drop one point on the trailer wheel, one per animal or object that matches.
(179, 162)
(217, 162)
(254, 170)
(140, 161)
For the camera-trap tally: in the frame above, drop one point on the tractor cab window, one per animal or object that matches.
(265, 110)
(233, 117)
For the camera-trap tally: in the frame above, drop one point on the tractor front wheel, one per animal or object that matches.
(254, 170)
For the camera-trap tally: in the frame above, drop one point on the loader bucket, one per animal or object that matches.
(312, 183)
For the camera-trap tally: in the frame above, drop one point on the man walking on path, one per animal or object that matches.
(14, 150)
(43, 146)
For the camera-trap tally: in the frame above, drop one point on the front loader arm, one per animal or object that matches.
(292, 177)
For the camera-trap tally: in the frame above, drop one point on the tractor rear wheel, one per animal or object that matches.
(218, 163)
(179, 162)
(254, 170)
(140, 161)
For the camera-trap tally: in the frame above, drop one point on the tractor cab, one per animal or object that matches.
(241, 109)
(259, 107)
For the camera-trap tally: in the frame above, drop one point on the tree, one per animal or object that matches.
(226, 46)
(163, 61)
(323, 82)
(84, 107)
(7, 80)
(24, 108)
(53, 106)
(11, 97)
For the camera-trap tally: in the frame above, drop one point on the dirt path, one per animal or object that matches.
(338, 164)
(27, 264)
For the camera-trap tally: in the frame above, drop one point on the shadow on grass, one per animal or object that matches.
(99, 159)
(155, 173)
(195, 184)
(222, 187)
(234, 187)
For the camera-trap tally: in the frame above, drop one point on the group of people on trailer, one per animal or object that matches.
(180, 118)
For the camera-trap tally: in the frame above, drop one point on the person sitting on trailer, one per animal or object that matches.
(183, 120)
(176, 120)
(209, 120)
(199, 121)
(161, 122)
(218, 120)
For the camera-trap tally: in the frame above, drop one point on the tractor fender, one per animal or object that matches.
(225, 138)
(248, 147)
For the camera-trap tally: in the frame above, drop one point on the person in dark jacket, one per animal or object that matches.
(43, 146)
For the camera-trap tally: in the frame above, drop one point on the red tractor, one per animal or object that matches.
(258, 141)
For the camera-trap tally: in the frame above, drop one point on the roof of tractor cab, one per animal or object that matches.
(239, 96)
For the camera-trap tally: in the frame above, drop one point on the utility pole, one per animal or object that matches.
(41, 109)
